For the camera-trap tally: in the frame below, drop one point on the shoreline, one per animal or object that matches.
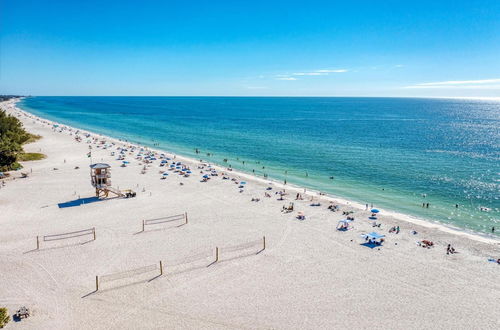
(408, 218)
(237, 264)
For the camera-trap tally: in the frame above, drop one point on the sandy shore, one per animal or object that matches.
(309, 276)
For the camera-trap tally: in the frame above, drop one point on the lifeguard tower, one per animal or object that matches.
(100, 177)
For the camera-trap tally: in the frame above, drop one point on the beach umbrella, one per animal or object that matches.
(243, 182)
(205, 176)
(375, 211)
(188, 171)
(125, 162)
(165, 174)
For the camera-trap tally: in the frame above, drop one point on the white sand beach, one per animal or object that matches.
(310, 275)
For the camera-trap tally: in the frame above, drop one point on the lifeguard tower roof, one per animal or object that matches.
(99, 166)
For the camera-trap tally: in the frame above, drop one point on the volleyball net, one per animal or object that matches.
(129, 274)
(256, 245)
(68, 235)
(178, 218)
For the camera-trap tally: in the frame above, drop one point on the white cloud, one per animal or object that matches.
(459, 82)
(286, 78)
(309, 74)
(465, 84)
(322, 72)
(495, 87)
(332, 71)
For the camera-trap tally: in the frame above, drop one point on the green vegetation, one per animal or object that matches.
(27, 156)
(33, 138)
(12, 137)
(4, 317)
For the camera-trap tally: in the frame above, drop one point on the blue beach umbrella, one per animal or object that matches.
(165, 174)
(125, 162)
(243, 182)
(375, 211)
(205, 176)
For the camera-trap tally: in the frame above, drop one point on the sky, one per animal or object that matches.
(251, 48)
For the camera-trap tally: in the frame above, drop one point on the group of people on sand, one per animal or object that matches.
(287, 209)
(394, 229)
(426, 244)
(333, 207)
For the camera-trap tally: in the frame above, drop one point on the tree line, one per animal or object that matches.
(12, 138)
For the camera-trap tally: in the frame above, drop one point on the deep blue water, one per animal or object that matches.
(385, 151)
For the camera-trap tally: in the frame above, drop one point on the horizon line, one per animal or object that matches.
(492, 98)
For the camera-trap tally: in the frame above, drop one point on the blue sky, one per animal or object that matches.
(282, 48)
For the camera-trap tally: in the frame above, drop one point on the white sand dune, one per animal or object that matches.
(310, 276)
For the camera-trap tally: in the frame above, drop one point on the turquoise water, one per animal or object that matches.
(385, 151)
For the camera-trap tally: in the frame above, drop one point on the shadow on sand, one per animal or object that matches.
(58, 246)
(79, 201)
(371, 245)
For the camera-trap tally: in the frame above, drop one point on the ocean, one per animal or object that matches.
(395, 153)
